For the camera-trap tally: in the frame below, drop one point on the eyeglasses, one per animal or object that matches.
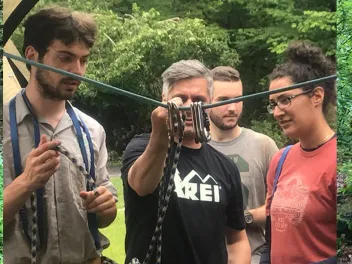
(283, 102)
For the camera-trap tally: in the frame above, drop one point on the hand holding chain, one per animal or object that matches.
(175, 128)
(89, 183)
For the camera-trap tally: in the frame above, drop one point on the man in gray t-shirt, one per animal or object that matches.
(251, 151)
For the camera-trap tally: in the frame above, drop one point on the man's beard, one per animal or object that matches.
(51, 92)
(188, 135)
(217, 121)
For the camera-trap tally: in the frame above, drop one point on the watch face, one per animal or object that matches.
(248, 218)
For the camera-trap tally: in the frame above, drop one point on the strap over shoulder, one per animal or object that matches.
(279, 168)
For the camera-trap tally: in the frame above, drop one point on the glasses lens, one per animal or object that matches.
(270, 108)
(284, 102)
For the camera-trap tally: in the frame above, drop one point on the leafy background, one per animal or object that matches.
(344, 55)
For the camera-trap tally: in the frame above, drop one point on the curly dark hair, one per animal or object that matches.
(58, 23)
(305, 62)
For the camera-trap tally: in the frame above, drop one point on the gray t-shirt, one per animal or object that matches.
(252, 152)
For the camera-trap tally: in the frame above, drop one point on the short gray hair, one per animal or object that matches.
(185, 69)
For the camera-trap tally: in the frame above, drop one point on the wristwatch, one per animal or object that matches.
(248, 217)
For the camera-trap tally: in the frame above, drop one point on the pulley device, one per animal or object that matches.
(201, 124)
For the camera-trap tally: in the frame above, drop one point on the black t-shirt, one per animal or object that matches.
(206, 199)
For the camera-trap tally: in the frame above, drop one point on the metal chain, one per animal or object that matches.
(201, 124)
(157, 236)
(90, 181)
(167, 199)
(178, 126)
(166, 186)
(34, 228)
(91, 185)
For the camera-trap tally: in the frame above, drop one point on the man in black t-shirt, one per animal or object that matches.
(204, 223)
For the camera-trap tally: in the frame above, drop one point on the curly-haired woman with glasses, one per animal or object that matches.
(301, 180)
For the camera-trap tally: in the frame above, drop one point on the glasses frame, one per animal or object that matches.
(271, 107)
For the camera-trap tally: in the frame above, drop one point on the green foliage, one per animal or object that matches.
(344, 52)
(268, 126)
(260, 30)
(136, 43)
(265, 32)
(115, 159)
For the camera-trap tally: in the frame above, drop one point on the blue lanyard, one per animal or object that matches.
(92, 221)
(278, 171)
